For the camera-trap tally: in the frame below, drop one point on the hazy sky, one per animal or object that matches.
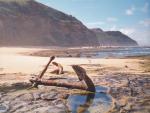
(131, 17)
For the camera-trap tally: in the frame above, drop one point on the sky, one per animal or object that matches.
(132, 17)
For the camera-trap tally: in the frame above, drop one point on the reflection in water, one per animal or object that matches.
(3, 108)
(80, 103)
(90, 103)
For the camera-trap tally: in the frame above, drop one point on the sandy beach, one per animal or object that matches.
(127, 78)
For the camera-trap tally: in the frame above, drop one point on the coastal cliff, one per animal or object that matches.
(113, 38)
(30, 23)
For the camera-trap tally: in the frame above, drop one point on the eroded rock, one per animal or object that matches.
(49, 96)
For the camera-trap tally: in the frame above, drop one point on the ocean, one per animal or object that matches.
(123, 52)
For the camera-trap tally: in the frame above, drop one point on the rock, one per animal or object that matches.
(78, 55)
(26, 97)
(48, 88)
(61, 106)
(63, 96)
(128, 107)
(0, 95)
(54, 109)
(4, 108)
(18, 105)
(69, 55)
(6, 102)
(49, 96)
(36, 96)
(56, 102)
(42, 110)
(36, 101)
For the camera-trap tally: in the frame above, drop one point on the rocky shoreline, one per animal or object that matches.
(126, 81)
(130, 95)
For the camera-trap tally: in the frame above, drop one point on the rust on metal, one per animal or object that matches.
(58, 84)
(81, 73)
(34, 84)
(44, 70)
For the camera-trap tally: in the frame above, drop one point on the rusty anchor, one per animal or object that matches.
(81, 73)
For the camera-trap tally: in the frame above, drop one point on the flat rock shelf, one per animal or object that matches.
(51, 99)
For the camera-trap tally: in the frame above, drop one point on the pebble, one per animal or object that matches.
(36, 96)
(3, 108)
(54, 109)
(26, 97)
(49, 96)
(41, 110)
(127, 107)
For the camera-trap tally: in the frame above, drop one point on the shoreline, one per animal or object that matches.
(127, 79)
(85, 52)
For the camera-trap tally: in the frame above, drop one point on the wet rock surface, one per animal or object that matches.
(130, 95)
(34, 101)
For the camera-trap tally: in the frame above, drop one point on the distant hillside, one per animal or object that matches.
(27, 22)
(113, 38)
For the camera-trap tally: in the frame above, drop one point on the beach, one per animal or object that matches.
(126, 79)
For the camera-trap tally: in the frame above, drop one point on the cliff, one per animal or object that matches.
(113, 38)
(29, 23)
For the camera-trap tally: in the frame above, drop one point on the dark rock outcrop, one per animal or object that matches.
(29, 23)
(113, 38)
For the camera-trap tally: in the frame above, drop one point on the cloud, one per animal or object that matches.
(113, 28)
(142, 37)
(127, 31)
(138, 34)
(130, 11)
(145, 22)
(112, 19)
(94, 24)
(145, 8)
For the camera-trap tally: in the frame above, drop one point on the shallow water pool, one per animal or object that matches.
(98, 102)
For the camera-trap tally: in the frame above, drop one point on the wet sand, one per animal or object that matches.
(127, 78)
